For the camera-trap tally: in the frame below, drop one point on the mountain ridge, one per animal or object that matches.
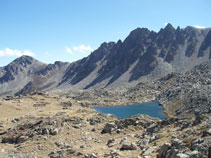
(143, 55)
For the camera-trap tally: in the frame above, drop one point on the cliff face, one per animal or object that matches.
(144, 54)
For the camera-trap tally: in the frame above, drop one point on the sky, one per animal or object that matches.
(68, 30)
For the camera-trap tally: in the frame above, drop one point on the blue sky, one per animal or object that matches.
(68, 30)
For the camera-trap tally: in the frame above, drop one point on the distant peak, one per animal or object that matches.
(169, 27)
(140, 30)
(24, 60)
(107, 45)
(25, 57)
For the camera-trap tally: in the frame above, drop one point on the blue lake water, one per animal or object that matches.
(152, 109)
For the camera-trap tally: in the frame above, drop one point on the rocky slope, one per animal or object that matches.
(41, 125)
(188, 93)
(143, 55)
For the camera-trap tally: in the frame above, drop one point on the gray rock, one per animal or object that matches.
(111, 142)
(195, 154)
(22, 139)
(149, 151)
(180, 155)
(2, 132)
(206, 133)
(125, 145)
(163, 150)
(54, 131)
(108, 128)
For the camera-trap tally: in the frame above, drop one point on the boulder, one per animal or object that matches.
(181, 155)
(2, 132)
(206, 133)
(125, 145)
(111, 142)
(163, 150)
(21, 139)
(54, 131)
(195, 154)
(108, 128)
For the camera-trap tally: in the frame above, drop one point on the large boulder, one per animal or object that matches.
(109, 127)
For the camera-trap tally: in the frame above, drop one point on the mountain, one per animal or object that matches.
(187, 93)
(143, 55)
(26, 74)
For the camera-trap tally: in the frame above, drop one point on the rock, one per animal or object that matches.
(21, 139)
(45, 131)
(66, 104)
(57, 154)
(149, 151)
(153, 128)
(114, 153)
(177, 143)
(198, 119)
(195, 154)
(180, 155)
(108, 128)
(209, 152)
(93, 155)
(153, 138)
(54, 131)
(2, 132)
(163, 150)
(204, 134)
(111, 142)
(143, 142)
(96, 120)
(118, 131)
(11, 139)
(125, 145)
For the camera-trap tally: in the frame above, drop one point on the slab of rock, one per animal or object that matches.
(125, 145)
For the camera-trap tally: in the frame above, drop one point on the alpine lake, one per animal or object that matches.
(152, 109)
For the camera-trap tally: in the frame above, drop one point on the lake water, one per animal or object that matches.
(152, 109)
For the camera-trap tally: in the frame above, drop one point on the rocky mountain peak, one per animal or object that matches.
(108, 45)
(137, 34)
(169, 27)
(24, 60)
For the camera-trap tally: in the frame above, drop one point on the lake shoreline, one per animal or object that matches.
(152, 109)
